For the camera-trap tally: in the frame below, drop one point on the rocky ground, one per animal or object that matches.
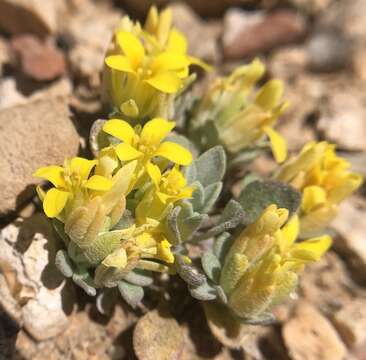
(51, 55)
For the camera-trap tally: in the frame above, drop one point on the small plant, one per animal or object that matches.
(157, 185)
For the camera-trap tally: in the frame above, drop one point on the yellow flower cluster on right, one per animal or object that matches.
(324, 179)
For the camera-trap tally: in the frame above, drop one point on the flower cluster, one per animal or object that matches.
(153, 185)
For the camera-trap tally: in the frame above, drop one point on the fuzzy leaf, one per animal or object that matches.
(209, 168)
(259, 194)
(139, 277)
(211, 265)
(211, 194)
(59, 228)
(132, 294)
(221, 246)
(84, 280)
(97, 139)
(64, 263)
(188, 272)
(104, 245)
(182, 222)
(262, 319)
(198, 196)
(204, 292)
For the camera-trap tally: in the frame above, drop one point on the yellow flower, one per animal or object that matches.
(68, 180)
(243, 118)
(148, 143)
(324, 179)
(147, 67)
(168, 189)
(263, 263)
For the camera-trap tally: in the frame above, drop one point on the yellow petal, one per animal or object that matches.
(40, 192)
(131, 46)
(169, 61)
(200, 63)
(177, 42)
(270, 94)
(126, 152)
(164, 252)
(312, 249)
(98, 183)
(51, 173)
(154, 173)
(117, 259)
(278, 143)
(291, 230)
(82, 167)
(166, 82)
(175, 153)
(156, 130)
(119, 62)
(313, 197)
(351, 183)
(152, 20)
(120, 129)
(54, 202)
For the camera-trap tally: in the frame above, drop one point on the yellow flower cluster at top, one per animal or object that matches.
(147, 65)
(89, 196)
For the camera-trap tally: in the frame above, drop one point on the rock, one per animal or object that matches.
(313, 7)
(39, 60)
(350, 322)
(350, 235)
(206, 8)
(89, 39)
(260, 35)
(328, 51)
(38, 134)
(37, 17)
(27, 266)
(327, 284)
(205, 45)
(343, 121)
(10, 95)
(310, 336)
(4, 54)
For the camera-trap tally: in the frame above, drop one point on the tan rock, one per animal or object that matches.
(343, 121)
(38, 134)
(310, 336)
(351, 230)
(350, 322)
(37, 288)
(38, 17)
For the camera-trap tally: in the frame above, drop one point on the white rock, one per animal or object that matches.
(28, 249)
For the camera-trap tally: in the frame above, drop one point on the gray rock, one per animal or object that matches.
(328, 51)
(38, 134)
(28, 274)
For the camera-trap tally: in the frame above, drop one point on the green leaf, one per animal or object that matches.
(257, 195)
(182, 222)
(221, 246)
(132, 294)
(82, 278)
(188, 272)
(209, 168)
(204, 292)
(211, 265)
(104, 245)
(139, 277)
(198, 196)
(64, 263)
(211, 194)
